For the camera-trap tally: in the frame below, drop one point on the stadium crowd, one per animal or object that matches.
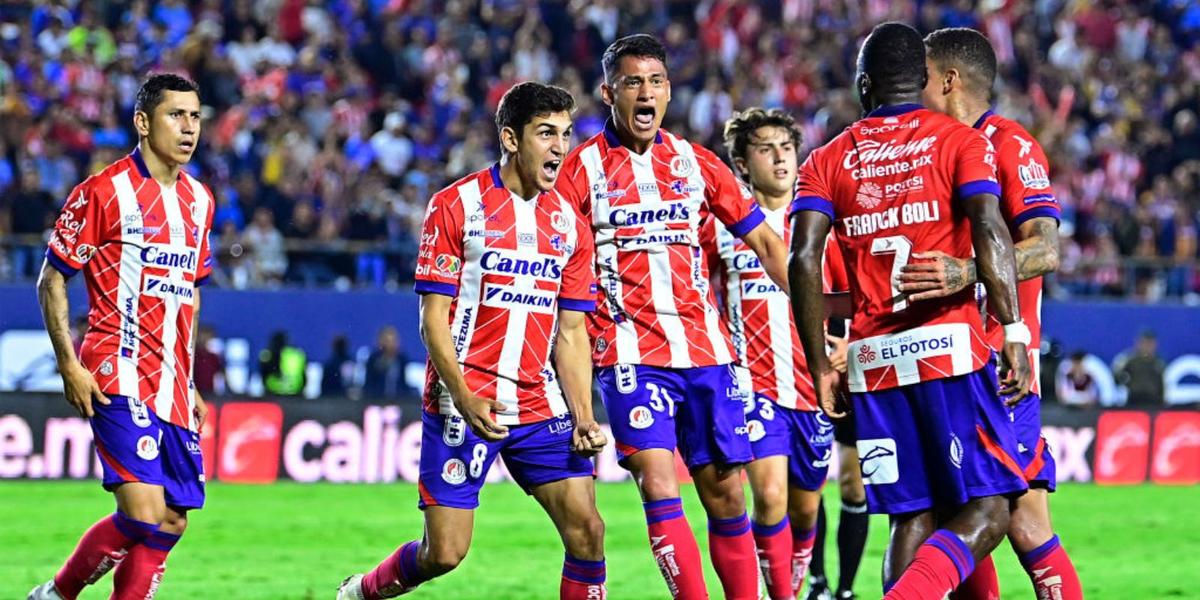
(330, 124)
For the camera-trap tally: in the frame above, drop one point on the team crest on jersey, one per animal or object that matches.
(640, 417)
(869, 195)
(755, 430)
(1034, 175)
(601, 343)
(106, 368)
(454, 471)
(455, 431)
(84, 253)
(866, 354)
(147, 448)
(448, 264)
(559, 222)
(682, 166)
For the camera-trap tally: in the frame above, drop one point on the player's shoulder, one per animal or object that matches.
(482, 181)
(1006, 133)
(101, 182)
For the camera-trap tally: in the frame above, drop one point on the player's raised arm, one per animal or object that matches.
(808, 302)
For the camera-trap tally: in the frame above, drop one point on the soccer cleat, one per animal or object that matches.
(351, 588)
(45, 591)
(818, 589)
(845, 595)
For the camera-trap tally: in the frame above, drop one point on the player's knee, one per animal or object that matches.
(586, 539)
(851, 489)
(146, 512)
(658, 486)
(1026, 534)
(442, 560)
(770, 498)
(174, 523)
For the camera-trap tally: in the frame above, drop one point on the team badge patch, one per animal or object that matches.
(106, 368)
(640, 417)
(877, 459)
(755, 430)
(681, 166)
(454, 471)
(448, 265)
(147, 448)
(559, 222)
(869, 195)
(956, 451)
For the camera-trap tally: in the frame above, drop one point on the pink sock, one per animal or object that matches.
(942, 562)
(731, 546)
(139, 575)
(802, 548)
(982, 584)
(582, 580)
(1051, 572)
(675, 549)
(396, 575)
(774, 543)
(98, 551)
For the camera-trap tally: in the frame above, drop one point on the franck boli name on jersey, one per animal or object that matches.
(906, 214)
(902, 350)
(172, 257)
(862, 161)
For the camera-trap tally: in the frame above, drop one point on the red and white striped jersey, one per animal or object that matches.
(657, 307)
(510, 264)
(1025, 194)
(891, 182)
(759, 314)
(143, 249)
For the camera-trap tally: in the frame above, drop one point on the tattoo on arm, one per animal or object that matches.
(1037, 252)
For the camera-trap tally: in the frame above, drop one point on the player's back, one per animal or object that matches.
(892, 182)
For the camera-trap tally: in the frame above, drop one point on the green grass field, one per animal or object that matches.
(290, 541)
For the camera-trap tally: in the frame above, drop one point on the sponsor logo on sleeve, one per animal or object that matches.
(84, 253)
(448, 265)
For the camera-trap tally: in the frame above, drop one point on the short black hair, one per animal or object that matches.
(742, 125)
(524, 101)
(893, 57)
(638, 44)
(966, 50)
(151, 94)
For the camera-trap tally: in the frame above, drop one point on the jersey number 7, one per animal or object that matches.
(901, 247)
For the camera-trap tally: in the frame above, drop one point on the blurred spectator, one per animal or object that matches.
(265, 244)
(208, 372)
(282, 366)
(384, 379)
(33, 212)
(1075, 385)
(338, 377)
(1140, 370)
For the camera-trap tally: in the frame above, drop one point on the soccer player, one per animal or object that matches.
(962, 68)
(505, 272)
(139, 232)
(933, 434)
(790, 438)
(663, 355)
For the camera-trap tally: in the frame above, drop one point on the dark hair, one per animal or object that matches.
(1078, 355)
(524, 101)
(742, 125)
(893, 57)
(150, 95)
(638, 44)
(966, 50)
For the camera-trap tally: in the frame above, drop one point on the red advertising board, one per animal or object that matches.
(1122, 447)
(1176, 448)
(248, 440)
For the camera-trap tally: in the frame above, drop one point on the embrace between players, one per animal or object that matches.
(554, 262)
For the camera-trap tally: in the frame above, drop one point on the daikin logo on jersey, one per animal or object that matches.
(162, 287)
(503, 296)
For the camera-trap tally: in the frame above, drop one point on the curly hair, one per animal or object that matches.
(740, 128)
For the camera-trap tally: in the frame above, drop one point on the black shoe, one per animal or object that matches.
(818, 589)
(845, 595)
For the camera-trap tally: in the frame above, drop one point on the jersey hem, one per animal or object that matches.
(435, 287)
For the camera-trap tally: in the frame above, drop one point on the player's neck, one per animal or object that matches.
(163, 172)
(628, 140)
(769, 201)
(511, 176)
(968, 112)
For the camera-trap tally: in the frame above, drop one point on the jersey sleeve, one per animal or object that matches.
(579, 276)
(975, 166)
(813, 192)
(78, 232)
(1025, 178)
(834, 278)
(206, 256)
(440, 255)
(729, 200)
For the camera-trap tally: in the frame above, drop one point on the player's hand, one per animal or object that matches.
(588, 439)
(838, 350)
(828, 398)
(1016, 375)
(477, 412)
(81, 390)
(936, 275)
(200, 411)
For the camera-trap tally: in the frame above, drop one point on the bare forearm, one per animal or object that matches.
(52, 296)
(808, 306)
(573, 361)
(436, 335)
(997, 267)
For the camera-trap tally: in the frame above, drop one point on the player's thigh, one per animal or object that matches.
(654, 473)
(1035, 458)
(711, 423)
(641, 402)
(1029, 526)
(141, 501)
(571, 505)
(810, 435)
(454, 462)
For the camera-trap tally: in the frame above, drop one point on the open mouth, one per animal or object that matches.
(781, 173)
(550, 168)
(643, 117)
(187, 145)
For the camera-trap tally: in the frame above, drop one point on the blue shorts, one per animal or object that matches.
(698, 410)
(804, 436)
(455, 461)
(1034, 455)
(136, 446)
(936, 443)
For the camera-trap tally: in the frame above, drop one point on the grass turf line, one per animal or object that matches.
(293, 541)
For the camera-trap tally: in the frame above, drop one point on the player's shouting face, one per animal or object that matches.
(638, 92)
(540, 147)
(172, 126)
(770, 162)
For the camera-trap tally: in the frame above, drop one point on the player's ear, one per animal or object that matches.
(509, 140)
(948, 78)
(739, 165)
(606, 93)
(141, 123)
(863, 83)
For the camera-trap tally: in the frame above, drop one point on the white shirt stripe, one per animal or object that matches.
(129, 286)
(661, 289)
(606, 254)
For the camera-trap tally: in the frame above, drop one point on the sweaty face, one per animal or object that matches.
(542, 147)
(638, 94)
(173, 129)
(933, 96)
(771, 160)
